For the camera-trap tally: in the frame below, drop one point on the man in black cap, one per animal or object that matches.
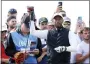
(60, 41)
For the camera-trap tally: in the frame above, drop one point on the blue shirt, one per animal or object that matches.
(25, 43)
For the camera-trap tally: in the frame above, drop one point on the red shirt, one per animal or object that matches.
(3, 55)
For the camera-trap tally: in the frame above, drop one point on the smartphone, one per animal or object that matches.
(59, 3)
(32, 45)
(30, 10)
(79, 20)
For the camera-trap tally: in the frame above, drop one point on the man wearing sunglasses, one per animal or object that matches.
(67, 23)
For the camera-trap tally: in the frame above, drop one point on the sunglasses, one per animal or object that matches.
(66, 24)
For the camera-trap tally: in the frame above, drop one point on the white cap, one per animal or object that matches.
(4, 27)
(66, 19)
(57, 14)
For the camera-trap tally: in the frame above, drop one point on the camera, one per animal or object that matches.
(79, 20)
(59, 3)
(59, 6)
(30, 10)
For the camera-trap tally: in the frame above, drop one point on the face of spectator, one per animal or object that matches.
(67, 25)
(58, 21)
(3, 34)
(43, 25)
(12, 23)
(86, 34)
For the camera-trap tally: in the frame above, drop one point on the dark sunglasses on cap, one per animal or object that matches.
(66, 23)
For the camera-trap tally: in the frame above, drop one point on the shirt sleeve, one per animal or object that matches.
(10, 49)
(73, 42)
(78, 39)
(38, 33)
(39, 46)
(79, 49)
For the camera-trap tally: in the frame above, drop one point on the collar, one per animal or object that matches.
(59, 28)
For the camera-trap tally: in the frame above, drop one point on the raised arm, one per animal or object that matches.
(38, 33)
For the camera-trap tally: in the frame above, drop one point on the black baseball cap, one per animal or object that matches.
(12, 11)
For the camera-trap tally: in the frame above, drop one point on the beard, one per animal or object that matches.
(59, 26)
(12, 27)
(87, 39)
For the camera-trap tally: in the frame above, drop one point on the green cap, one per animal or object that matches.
(43, 19)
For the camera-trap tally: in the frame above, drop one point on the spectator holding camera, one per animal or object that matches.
(21, 45)
(79, 25)
(60, 9)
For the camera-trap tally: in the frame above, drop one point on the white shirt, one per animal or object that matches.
(73, 54)
(83, 48)
(78, 38)
(43, 41)
(43, 35)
